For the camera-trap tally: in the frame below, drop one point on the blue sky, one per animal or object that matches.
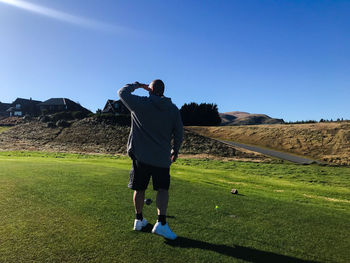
(287, 59)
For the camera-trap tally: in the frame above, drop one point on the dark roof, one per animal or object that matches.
(109, 107)
(114, 102)
(25, 101)
(4, 106)
(65, 102)
(56, 101)
(115, 106)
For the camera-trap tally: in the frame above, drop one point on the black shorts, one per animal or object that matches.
(141, 173)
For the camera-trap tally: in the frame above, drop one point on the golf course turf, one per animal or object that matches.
(57, 207)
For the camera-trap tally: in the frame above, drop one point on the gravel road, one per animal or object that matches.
(273, 153)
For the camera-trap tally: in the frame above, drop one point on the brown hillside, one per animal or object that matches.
(329, 142)
(237, 118)
(92, 136)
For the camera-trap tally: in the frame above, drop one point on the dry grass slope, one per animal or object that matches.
(329, 142)
(92, 136)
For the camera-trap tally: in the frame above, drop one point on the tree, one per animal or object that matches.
(204, 114)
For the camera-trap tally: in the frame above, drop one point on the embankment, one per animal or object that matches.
(329, 142)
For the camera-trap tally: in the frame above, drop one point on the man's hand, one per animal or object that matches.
(144, 86)
(173, 156)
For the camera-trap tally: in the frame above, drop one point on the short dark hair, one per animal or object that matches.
(158, 87)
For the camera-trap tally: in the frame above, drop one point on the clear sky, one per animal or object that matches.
(288, 59)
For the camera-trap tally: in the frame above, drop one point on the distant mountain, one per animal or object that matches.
(237, 118)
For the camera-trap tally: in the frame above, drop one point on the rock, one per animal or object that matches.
(62, 123)
(51, 125)
(44, 118)
(27, 118)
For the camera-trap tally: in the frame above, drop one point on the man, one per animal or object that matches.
(155, 122)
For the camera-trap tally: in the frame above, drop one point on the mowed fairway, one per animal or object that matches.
(77, 208)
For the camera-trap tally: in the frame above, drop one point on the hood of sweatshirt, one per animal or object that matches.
(161, 103)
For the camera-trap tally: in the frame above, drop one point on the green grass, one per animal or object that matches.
(77, 208)
(4, 128)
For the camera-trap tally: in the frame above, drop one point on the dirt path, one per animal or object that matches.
(276, 154)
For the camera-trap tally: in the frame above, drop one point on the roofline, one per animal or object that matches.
(25, 99)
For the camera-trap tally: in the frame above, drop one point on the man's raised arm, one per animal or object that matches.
(129, 100)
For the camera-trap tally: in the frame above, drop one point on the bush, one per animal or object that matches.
(44, 111)
(124, 120)
(111, 119)
(64, 115)
(79, 115)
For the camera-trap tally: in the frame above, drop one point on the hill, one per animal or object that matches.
(237, 118)
(91, 135)
(329, 142)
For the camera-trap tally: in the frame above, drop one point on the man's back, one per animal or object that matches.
(155, 121)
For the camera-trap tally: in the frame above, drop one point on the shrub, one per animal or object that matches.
(79, 115)
(44, 111)
(64, 115)
(111, 119)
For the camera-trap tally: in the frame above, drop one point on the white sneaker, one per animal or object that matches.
(139, 224)
(163, 230)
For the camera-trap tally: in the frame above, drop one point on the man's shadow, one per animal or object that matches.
(148, 228)
(239, 252)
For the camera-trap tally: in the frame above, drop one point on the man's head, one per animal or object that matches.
(157, 87)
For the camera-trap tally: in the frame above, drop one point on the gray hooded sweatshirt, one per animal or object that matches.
(155, 121)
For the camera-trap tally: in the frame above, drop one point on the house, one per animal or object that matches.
(116, 107)
(3, 109)
(54, 105)
(22, 107)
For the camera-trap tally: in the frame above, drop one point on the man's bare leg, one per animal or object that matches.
(140, 222)
(162, 203)
(139, 199)
(161, 227)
